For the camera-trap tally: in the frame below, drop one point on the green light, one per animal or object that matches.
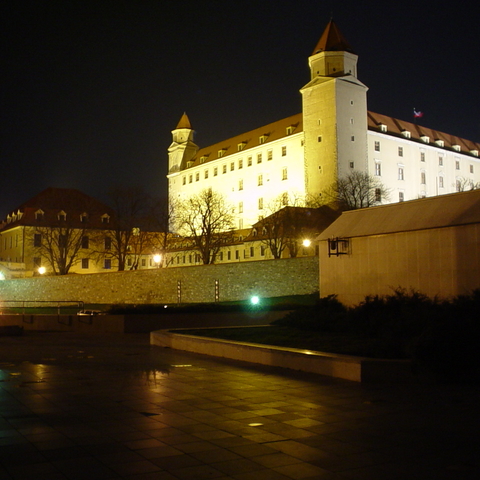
(255, 300)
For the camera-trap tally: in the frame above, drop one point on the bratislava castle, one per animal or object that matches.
(335, 134)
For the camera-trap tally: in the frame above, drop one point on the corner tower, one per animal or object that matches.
(182, 149)
(334, 113)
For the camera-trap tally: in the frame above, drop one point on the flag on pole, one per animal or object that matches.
(417, 114)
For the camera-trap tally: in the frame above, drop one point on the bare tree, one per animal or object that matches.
(207, 219)
(357, 190)
(464, 184)
(128, 237)
(59, 244)
(161, 216)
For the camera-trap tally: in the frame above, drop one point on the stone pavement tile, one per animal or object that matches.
(200, 472)
(84, 468)
(275, 460)
(215, 455)
(301, 471)
(134, 468)
(252, 449)
(176, 462)
(265, 474)
(158, 452)
(231, 442)
(196, 447)
(233, 467)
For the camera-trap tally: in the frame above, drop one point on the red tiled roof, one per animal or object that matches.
(332, 40)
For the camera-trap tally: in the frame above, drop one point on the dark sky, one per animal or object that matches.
(90, 91)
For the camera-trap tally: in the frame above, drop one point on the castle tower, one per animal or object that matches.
(182, 149)
(334, 113)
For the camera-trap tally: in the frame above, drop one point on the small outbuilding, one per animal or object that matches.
(431, 245)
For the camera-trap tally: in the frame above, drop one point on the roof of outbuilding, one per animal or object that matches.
(434, 212)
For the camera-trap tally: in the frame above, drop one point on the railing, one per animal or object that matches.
(23, 304)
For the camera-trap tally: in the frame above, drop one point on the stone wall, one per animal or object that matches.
(236, 281)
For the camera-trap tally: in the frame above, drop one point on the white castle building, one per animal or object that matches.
(334, 135)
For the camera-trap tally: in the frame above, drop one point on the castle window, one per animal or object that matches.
(190, 164)
(83, 218)
(290, 129)
(260, 180)
(107, 264)
(107, 243)
(378, 169)
(37, 240)
(440, 143)
(457, 164)
(190, 178)
(423, 178)
(319, 138)
(184, 180)
(400, 151)
(352, 164)
(401, 174)
(259, 158)
(240, 184)
(85, 263)
(197, 176)
(262, 139)
(260, 203)
(457, 148)
(269, 155)
(458, 185)
(471, 168)
(224, 169)
(232, 166)
(422, 156)
(352, 138)
(241, 146)
(378, 194)
(222, 152)
(249, 161)
(377, 146)
(440, 182)
(284, 151)
(383, 128)
(105, 218)
(262, 250)
(285, 199)
(425, 138)
(62, 216)
(39, 215)
(240, 163)
(401, 196)
(215, 171)
(351, 121)
(85, 242)
(474, 152)
(240, 207)
(203, 158)
(206, 173)
(284, 174)
(252, 252)
(407, 134)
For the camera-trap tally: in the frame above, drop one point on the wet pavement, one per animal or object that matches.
(112, 406)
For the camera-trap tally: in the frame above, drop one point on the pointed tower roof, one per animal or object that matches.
(184, 122)
(332, 40)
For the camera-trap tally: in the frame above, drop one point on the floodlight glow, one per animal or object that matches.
(2, 276)
(255, 300)
(306, 242)
(42, 270)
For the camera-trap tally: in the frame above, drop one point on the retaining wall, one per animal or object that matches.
(196, 284)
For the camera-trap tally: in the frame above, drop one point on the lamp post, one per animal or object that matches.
(41, 270)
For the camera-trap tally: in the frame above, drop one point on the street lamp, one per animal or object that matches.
(41, 270)
(157, 258)
(306, 242)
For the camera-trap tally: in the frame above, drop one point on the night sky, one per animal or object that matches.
(90, 91)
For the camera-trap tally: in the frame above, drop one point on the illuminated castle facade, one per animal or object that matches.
(335, 134)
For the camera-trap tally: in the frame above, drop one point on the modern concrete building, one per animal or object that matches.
(334, 135)
(431, 245)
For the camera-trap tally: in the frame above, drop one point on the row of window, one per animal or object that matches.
(62, 216)
(37, 241)
(232, 166)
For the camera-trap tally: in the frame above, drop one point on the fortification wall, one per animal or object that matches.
(196, 284)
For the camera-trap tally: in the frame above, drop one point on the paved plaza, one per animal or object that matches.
(112, 406)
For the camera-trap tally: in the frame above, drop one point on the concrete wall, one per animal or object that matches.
(237, 281)
(437, 261)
